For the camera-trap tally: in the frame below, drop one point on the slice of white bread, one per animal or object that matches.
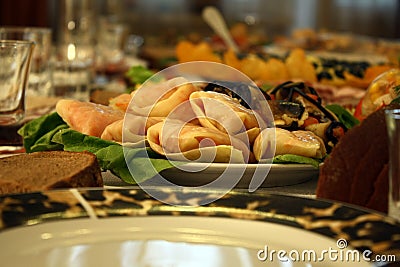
(48, 170)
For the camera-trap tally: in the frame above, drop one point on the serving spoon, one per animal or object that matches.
(215, 20)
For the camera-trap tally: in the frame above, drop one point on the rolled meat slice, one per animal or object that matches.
(185, 141)
(132, 129)
(220, 112)
(159, 99)
(302, 143)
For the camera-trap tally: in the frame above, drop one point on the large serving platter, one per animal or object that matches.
(198, 174)
(127, 227)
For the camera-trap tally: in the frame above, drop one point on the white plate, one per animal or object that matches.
(196, 174)
(128, 227)
(165, 241)
(279, 174)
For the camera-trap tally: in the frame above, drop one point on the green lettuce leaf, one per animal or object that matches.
(291, 158)
(37, 134)
(138, 74)
(72, 140)
(344, 116)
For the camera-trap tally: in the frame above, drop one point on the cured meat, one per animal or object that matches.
(131, 129)
(86, 117)
(302, 143)
(345, 96)
(113, 131)
(158, 100)
(220, 112)
(173, 137)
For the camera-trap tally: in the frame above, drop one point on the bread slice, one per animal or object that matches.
(49, 170)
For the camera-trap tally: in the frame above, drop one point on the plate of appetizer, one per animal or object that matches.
(187, 127)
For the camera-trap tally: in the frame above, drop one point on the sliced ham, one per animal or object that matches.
(173, 137)
(113, 131)
(160, 99)
(220, 112)
(132, 129)
(302, 143)
(346, 96)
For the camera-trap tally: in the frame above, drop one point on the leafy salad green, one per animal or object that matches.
(137, 75)
(343, 115)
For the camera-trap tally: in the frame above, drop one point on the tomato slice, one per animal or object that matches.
(358, 111)
(309, 121)
(315, 97)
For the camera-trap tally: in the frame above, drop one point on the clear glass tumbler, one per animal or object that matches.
(15, 59)
(40, 80)
(393, 129)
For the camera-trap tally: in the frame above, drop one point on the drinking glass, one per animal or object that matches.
(73, 69)
(40, 80)
(393, 129)
(110, 57)
(15, 59)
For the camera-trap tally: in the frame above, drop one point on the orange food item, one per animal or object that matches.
(296, 66)
(240, 35)
(299, 67)
(186, 51)
(374, 71)
(253, 66)
(203, 51)
(183, 51)
(274, 70)
(381, 92)
(370, 74)
(231, 59)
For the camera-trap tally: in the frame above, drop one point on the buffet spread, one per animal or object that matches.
(314, 95)
(268, 116)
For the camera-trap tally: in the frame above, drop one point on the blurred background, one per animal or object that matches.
(164, 21)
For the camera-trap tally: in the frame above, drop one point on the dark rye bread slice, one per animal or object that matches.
(356, 171)
(48, 170)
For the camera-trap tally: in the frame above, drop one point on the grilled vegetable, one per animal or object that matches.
(296, 105)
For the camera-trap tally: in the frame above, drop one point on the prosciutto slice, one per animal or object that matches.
(220, 112)
(132, 129)
(302, 143)
(158, 100)
(179, 140)
(86, 117)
